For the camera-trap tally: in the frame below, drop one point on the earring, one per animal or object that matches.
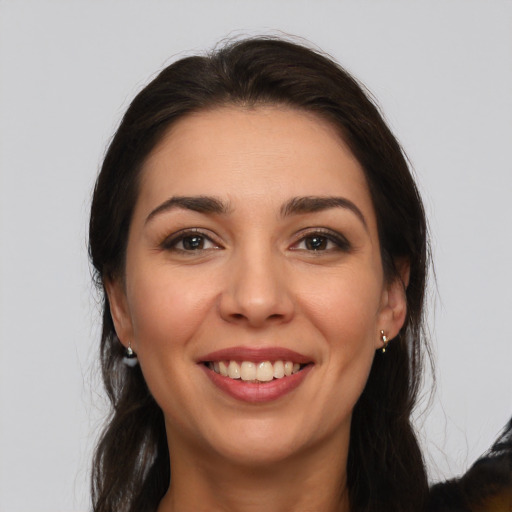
(385, 342)
(130, 357)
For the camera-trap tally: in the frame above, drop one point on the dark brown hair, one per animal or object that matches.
(385, 468)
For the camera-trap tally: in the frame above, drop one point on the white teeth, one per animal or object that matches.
(233, 370)
(248, 370)
(223, 368)
(264, 371)
(278, 369)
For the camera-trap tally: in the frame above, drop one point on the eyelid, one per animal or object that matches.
(337, 238)
(170, 241)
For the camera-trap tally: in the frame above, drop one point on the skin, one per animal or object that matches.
(257, 282)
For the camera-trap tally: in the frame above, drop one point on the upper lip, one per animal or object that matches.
(255, 355)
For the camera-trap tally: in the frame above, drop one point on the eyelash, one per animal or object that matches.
(324, 235)
(339, 241)
(170, 243)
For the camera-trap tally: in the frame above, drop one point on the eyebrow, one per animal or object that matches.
(295, 206)
(201, 204)
(312, 204)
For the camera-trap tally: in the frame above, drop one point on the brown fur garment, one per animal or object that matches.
(486, 487)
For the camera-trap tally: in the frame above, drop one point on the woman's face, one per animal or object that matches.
(253, 250)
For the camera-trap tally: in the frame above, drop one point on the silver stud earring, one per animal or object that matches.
(385, 342)
(130, 357)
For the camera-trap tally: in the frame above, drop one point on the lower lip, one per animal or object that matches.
(257, 392)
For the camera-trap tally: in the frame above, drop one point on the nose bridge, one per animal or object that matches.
(256, 290)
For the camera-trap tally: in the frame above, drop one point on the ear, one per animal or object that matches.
(119, 309)
(394, 303)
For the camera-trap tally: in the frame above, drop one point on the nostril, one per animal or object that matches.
(240, 316)
(254, 309)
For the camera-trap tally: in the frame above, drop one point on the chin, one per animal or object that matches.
(271, 441)
(259, 453)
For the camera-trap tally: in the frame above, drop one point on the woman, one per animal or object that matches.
(262, 249)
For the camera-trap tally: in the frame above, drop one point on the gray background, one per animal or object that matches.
(442, 72)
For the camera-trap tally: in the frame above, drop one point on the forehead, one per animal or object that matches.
(263, 153)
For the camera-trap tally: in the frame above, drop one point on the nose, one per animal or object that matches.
(256, 292)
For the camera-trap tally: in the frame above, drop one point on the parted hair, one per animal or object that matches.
(131, 470)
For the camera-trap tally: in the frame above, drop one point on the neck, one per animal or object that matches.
(314, 481)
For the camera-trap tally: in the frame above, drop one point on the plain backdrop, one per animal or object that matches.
(442, 73)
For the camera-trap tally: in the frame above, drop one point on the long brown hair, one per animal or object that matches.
(385, 468)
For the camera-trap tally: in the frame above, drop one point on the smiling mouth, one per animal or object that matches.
(255, 372)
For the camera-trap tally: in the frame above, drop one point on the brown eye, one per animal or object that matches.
(193, 243)
(316, 243)
(189, 241)
(322, 241)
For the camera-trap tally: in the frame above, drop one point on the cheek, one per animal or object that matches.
(166, 311)
(345, 308)
(347, 314)
(343, 311)
(167, 315)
